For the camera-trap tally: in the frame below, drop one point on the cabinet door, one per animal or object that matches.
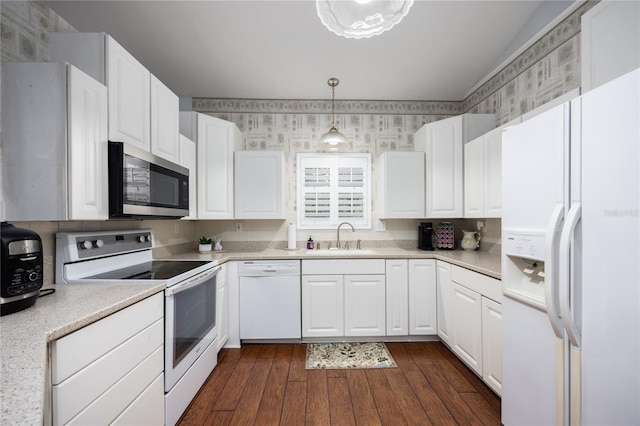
(610, 42)
(444, 303)
(87, 147)
(422, 297)
(164, 122)
(188, 160)
(444, 168)
(259, 185)
(397, 298)
(492, 344)
(128, 84)
(222, 308)
(215, 146)
(493, 173)
(474, 184)
(364, 305)
(322, 306)
(467, 328)
(401, 185)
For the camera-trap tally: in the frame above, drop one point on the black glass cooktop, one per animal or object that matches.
(154, 270)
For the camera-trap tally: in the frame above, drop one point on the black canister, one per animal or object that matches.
(21, 269)
(425, 233)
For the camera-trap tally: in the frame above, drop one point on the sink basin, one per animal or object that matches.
(339, 252)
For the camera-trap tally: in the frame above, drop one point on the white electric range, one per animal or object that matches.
(125, 256)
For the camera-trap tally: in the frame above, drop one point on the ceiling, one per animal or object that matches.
(280, 50)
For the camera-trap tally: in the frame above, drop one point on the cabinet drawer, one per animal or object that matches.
(119, 397)
(72, 353)
(343, 266)
(486, 286)
(148, 408)
(80, 390)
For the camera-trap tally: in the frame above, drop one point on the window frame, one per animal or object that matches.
(333, 162)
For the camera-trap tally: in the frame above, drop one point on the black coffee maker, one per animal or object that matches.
(425, 232)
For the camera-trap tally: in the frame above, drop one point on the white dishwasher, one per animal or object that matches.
(270, 300)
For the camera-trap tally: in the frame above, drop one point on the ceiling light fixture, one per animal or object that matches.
(361, 18)
(333, 140)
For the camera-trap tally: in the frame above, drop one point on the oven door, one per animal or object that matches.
(190, 323)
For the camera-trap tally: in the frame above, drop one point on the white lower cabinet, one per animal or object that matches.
(470, 320)
(364, 305)
(422, 297)
(466, 339)
(111, 371)
(322, 305)
(492, 344)
(444, 301)
(397, 297)
(222, 308)
(343, 298)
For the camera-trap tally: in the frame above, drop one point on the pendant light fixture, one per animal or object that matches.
(333, 140)
(361, 18)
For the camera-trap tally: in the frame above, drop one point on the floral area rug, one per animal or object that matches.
(348, 355)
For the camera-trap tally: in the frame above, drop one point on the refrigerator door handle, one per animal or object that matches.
(564, 281)
(550, 270)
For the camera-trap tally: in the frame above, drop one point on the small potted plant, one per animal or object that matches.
(204, 244)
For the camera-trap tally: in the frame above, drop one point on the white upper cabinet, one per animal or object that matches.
(610, 42)
(128, 84)
(164, 122)
(259, 185)
(54, 143)
(188, 160)
(483, 174)
(401, 185)
(127, 80)
(443, 141)
(216, 140)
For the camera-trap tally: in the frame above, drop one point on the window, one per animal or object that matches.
(333, 189)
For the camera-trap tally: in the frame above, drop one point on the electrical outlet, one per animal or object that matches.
(176, 228)
(238, 227)
(480, 225)
(380, 226)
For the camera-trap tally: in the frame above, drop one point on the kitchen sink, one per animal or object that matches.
(339, 252)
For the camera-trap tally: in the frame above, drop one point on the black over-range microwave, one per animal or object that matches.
(144, 186)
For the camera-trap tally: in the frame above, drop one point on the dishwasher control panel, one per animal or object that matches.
(261, 268)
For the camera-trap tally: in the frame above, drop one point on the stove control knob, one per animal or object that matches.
(86, 244)
(98, 243)
(142, 239)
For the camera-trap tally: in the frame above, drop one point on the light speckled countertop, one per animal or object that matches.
(478, 261)
(24, 338)
(25, 335)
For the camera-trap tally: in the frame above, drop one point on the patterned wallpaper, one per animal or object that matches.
(546, 70)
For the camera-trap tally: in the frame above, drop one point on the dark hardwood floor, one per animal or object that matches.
(269, 385)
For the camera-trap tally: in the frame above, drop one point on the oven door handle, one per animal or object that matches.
(193, 282)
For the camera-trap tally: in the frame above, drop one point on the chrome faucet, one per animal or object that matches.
(338, 232)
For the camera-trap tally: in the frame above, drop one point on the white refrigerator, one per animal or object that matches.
(571, 262)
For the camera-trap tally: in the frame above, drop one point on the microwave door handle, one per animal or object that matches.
(193, 282)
